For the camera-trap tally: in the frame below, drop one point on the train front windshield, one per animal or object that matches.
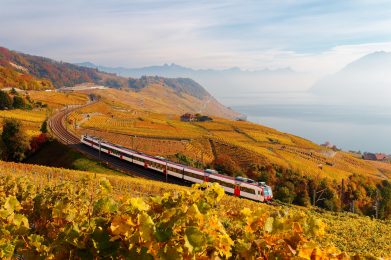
(268, 191)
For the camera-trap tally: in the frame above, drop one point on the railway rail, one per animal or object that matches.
(58, 127)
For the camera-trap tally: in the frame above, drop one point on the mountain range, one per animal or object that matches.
(366, 80)
(220, 82)
(30, 72)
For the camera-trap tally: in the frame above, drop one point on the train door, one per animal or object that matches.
(146, 164)
(237, 190)
(260, 196)
(206, 178)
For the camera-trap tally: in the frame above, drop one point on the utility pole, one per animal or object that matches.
(202, 157)
(133, 137)
(377, 204)
(166, 173)
(66, 126)
(342, 193)
(99, 148)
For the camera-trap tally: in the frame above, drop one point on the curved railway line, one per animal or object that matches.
(60, 131)
(57, 124)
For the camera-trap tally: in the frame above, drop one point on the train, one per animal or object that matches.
(239, 186)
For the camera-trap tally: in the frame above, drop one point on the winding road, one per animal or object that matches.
(60, 131)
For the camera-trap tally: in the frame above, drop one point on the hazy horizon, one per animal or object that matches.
(314, 37)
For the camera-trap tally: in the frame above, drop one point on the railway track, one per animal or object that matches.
(60, 131)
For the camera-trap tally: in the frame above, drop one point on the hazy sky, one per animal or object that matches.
(309, 36)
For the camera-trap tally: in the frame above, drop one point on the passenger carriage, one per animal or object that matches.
(241, 187)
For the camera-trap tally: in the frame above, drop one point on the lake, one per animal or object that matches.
(349, 126)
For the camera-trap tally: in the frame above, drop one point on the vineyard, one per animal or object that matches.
(58, 99)
(31, 119)
(242, 142)
(55, 213)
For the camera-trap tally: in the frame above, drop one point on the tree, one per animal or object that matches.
(385, 202)
(285, 194)
(13, 91)
(19, 102)
(44, 127)
(5, 100)
(15, 140)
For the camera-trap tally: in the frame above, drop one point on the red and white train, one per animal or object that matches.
(241, 187)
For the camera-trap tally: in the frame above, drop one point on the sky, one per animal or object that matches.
(311, 36)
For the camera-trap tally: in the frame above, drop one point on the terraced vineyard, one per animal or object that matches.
(244, 142)
(58, 99)
(112, 211)
(31, 119)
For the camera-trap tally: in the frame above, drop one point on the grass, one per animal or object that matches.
(55, 154)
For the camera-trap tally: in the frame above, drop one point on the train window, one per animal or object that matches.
(230, 185)
(193, 175)
(174, 170)
(248, 190)
(198, 176)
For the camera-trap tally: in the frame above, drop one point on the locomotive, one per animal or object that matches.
(239, 186)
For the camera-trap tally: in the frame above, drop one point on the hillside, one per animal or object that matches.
(179, 95)
(365, 80)
(83, 214)
(59, 74)
(159, 98)
(242, 148)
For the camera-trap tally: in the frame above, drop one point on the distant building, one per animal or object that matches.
(195, 118)
(203, 118)
(369, 156)
(188, 117)
(374, 156)
(241, 118)
(329, 145)
(381, 156)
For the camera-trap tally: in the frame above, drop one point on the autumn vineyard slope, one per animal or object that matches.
(300, 172)
(57, 213)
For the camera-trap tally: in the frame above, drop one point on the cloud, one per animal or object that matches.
(313, 36)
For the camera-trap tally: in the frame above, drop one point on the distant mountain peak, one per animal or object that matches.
(366, 78)
(372, 61)
(87, 64)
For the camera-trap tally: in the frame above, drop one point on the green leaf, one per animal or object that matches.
(269, 224)
(12, 204)
(147, 227)
(6, 249)
(105, 205)
(140, 254)
(195, 240)
(139, 204)
(101, 241)
(163, 233)
(20, 220)
(105, 186)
